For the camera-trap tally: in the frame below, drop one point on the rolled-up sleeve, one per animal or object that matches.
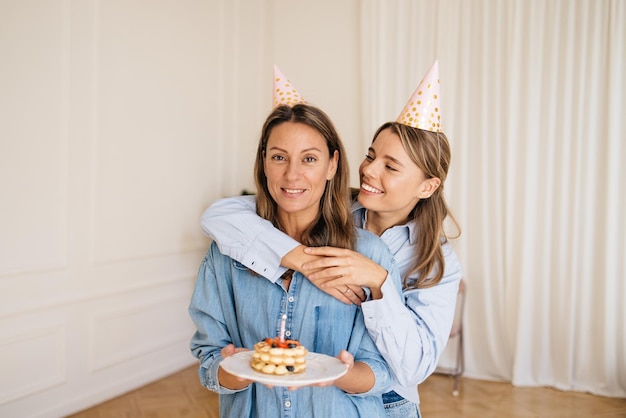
(366, 352)
(383, 378)
(208, 379)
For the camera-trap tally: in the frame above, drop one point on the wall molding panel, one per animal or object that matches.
(107, 126)
(120, 334)
(35, 359)
(34, 132)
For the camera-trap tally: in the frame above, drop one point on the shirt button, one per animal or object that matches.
(288, 333)
(291, 299)
(287, 404)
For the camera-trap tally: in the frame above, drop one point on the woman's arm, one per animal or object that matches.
(368, 373)
(254, 242)
(207, 314)
(228, 380)
(371, 375)
(344, 269)
(411, 329)
(246, 237)
(359, 379)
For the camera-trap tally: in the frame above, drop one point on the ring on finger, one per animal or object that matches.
(346, 291)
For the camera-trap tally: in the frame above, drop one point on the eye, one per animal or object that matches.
(310, 159)
(390, 168)
(277, 157)
(369, 157)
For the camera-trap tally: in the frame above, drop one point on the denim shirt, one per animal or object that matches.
(231, 304)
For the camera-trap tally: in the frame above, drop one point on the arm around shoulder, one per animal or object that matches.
(246, 237)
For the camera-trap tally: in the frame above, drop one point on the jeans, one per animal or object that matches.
(398, 407)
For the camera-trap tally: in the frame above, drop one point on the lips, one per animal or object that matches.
(370, 189)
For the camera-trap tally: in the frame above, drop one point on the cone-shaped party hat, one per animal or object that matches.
(284, 92)
(422, 110)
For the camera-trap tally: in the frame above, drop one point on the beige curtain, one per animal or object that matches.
(533, 101)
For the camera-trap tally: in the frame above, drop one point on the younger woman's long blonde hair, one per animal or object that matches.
(430, 151)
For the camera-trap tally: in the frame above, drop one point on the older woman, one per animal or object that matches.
(302, 182)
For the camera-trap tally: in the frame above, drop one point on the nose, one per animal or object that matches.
(293, 170)
(369, 168)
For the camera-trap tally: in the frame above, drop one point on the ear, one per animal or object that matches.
(332, 167)
(428, 187)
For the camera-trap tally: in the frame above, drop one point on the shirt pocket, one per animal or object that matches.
(334, 324)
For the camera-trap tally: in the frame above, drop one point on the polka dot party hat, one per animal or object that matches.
(422, 110)
(284, 92)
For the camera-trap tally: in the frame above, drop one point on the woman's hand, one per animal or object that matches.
(230, 349)
(345, 358)
(296, 258)
(341, 273)
(226, 379)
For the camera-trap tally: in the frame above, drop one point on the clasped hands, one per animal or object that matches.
(339, 272)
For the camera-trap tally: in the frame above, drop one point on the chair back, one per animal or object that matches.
(457, 324)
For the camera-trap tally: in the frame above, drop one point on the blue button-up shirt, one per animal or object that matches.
(232, 304)
(410, 328)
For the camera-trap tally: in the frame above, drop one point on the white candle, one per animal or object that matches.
(282, 328)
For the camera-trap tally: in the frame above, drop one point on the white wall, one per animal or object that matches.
(120, 121)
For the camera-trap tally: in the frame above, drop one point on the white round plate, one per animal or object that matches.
(319, 368)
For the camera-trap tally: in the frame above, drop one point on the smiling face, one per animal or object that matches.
(391, 183)
(297, 166)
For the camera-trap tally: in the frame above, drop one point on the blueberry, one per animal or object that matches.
(290, 368)
(291, 345)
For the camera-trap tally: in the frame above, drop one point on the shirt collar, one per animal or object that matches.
(360, 216)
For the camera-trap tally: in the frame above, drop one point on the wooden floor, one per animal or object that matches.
(181, 395)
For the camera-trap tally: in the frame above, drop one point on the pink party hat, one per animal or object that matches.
(284, 92)
(422, 110)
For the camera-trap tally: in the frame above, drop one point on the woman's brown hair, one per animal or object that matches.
(334, 225)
